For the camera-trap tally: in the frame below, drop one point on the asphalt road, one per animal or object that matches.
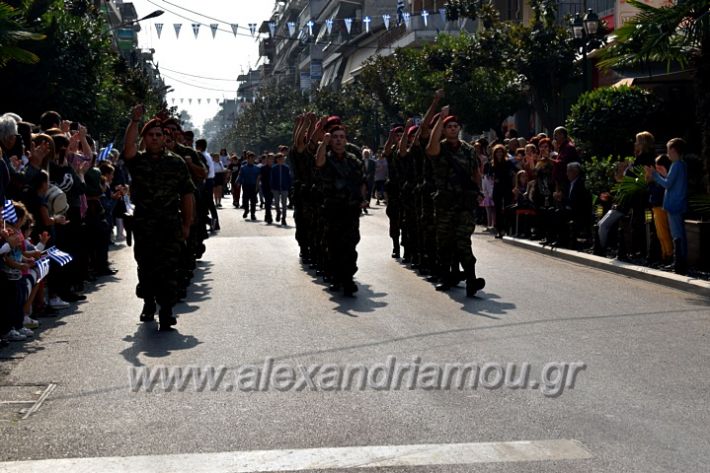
(640, 404)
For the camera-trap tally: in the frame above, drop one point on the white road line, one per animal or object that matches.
(315, 459)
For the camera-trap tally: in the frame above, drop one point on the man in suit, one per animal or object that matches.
(573, 216)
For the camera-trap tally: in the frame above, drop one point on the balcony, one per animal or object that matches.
(267, 48)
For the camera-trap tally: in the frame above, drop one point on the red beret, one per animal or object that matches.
(332, 121)
(451, 118)
(397, 129)
(412, 129)
(154, 123)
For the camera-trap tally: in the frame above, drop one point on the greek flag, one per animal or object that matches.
(42, 268)
(103, 156)
(8, 212)
(59, 256)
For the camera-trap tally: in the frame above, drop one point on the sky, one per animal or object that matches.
(224, 57)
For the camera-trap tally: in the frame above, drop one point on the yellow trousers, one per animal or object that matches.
(663, 232)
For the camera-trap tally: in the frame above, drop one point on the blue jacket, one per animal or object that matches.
(280, 178)
(676, 184)
(248, 174)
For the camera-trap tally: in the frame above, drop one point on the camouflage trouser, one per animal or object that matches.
(342, 234)
(158, 248)
(409, 225)
(303, 217)
(393, 213)
(454, 227)
(426, 229)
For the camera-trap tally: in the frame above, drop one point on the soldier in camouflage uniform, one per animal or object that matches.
(457, 175)
(302, 164)
(393, 188)
(344, 195)
(162, 193)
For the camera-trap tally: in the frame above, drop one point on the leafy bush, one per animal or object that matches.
(604, 121)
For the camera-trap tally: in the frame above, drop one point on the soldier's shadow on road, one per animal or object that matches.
(149, 342)
(363, 301)
(484, 304)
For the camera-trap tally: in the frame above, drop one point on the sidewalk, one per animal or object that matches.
(684, 283)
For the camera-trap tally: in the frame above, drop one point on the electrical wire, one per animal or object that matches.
(162, 68)
(231, 91)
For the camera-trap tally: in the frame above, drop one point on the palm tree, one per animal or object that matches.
(12, 33)
(677, 34)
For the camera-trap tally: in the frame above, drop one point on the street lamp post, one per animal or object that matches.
(149, 16)
(585, 30)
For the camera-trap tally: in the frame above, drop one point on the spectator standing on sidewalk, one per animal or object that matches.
(675, 201)
(280, 186)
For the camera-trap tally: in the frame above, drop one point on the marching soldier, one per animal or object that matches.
(457, 175)
(163, 195)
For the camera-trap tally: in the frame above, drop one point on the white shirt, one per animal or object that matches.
(210, 165)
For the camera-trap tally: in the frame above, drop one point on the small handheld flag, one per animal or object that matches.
(103, 156)
(8, 212)
(42, 268)
(59, 256)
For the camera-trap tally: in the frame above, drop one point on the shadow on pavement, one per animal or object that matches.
(484, 304)
(149, 342)
(362, 302)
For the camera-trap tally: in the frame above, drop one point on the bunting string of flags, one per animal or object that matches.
(368, 23)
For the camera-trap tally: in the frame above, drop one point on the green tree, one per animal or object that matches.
(677, 34)
(605, 121)
(79, 74)
(13, 32)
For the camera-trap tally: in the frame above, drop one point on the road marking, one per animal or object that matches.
(315, 458)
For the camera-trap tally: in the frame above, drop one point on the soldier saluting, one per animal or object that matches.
(457, 177)
(163, 195)
(344, 194)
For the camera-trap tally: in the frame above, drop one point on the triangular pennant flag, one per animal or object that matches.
(209, 100)
(173, 101)
(214, 27)
(272, 28)
(348, 24)
(442, 14)
(407, 20)
(310, 26)
(189, 101)
(182, 100)
(216, 100)
(159, 29)
(329, 25)
(235, 29)
(252, 28)
(425, 17)
(199, 101)
(178, 27)
(291, 28)
(386, 19)
(196, 29)
(367, 20)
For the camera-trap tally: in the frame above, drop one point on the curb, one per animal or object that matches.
(676, 281)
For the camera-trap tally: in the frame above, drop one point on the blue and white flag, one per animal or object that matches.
(105, 153)
(8, 212)
(59, 256)
(42, 268)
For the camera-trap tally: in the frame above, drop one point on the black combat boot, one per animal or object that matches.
(166, 319)
(148, 312)
(395, 248)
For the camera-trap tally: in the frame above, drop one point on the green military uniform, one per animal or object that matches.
(392, 190)
(455, 203)
(408, 209)
(341, 181)
(157, 187)
(303, 213)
